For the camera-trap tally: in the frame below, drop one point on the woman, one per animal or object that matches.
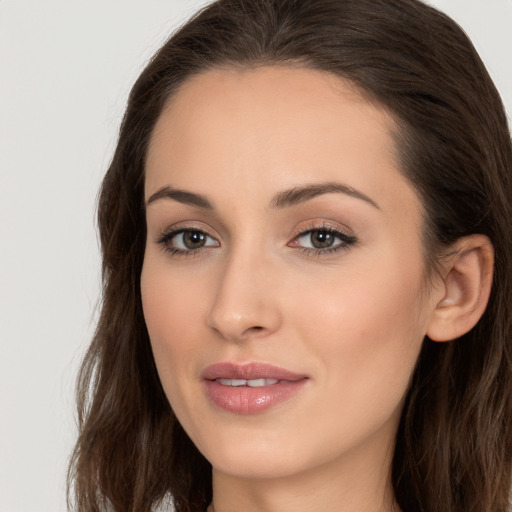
(306, 257)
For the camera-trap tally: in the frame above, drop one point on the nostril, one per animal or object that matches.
(255, 329)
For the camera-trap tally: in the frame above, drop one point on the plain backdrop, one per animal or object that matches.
(65, 71)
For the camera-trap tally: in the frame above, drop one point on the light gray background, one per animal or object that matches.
(65, 71)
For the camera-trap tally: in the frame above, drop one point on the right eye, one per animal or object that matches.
(187, 240)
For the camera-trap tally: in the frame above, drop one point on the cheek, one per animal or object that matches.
(367, 327)
(171, 307)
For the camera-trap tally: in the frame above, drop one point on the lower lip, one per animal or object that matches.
(247, 400)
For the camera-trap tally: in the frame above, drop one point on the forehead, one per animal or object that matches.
(261, 129)
(269, 102)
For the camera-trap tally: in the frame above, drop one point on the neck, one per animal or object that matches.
(353, 483)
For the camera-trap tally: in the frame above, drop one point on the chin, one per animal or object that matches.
(267, 454)
(254, 464)
(256, 454)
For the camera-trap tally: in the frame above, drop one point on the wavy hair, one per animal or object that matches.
(454, 443)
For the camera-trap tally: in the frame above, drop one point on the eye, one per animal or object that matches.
(318, 239)
(322, 240)
(187, 240)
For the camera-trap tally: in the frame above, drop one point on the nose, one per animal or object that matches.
(246, 301)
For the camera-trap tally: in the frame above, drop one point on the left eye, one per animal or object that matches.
(322, 239)
(187, 240)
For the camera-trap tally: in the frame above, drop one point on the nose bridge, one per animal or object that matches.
(244, 303)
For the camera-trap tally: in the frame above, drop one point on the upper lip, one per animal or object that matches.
(248, 371)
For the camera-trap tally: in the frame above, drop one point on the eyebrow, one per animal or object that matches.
(298, 195)
(283, 199)
(181, 196)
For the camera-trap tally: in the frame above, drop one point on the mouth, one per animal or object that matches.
(250, 388)
(249, 372)
(252, 383)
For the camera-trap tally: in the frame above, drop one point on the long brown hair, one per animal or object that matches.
(454, 443)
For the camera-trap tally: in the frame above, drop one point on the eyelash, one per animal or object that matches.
(165, 239)
(346, 241)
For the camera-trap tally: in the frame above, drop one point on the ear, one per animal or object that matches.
(465, 288)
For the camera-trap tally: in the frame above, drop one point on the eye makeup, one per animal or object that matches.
(322, 239)
(186, 241)
(316, 239)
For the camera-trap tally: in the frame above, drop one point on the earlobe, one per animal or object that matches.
(468, 273)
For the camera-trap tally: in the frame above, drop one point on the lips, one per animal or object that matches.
(250, 388)
(249, 371)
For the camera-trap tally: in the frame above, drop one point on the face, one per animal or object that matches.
(283, 283)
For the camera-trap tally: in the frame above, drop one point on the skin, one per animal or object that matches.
(352, 320)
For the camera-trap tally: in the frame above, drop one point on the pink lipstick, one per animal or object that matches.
(250, 388)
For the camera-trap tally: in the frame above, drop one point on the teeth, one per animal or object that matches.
(232, 382)
(252, 383)
(257, 383)
(236, 382)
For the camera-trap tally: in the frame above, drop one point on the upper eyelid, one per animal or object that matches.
(338, 233)
(325, 226)
(311, 226)
(335, 232)
(172, 232)
(185, 226)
